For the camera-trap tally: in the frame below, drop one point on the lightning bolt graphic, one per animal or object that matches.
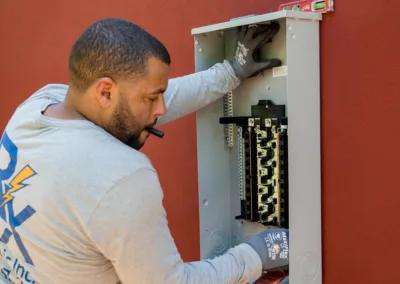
(17, 183)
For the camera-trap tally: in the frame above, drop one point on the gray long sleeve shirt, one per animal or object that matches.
(78, 206)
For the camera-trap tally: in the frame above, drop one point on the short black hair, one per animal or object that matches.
(114, 48)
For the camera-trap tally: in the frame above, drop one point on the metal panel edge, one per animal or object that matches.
(213, 181)
(257, 19)
(303, 91)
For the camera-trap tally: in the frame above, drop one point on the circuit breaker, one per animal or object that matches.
(259, 146)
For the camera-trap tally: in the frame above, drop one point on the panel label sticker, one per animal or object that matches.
(280, 71)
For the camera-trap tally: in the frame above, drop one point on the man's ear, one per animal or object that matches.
(105, 91)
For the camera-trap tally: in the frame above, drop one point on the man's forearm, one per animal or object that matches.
(238, 266)
(190, 93)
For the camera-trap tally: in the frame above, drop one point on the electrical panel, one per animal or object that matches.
(262, 164)
(258, 148)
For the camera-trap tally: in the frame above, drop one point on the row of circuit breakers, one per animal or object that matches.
(263, 164)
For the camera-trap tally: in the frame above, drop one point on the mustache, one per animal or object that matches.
(152, 125)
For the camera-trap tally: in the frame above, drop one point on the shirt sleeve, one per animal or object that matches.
(190, 93)
(130, 228)
(54, 93)
(184, 95)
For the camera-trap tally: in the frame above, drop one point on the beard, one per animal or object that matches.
(125, 127)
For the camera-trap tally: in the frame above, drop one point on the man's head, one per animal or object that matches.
(122, 72)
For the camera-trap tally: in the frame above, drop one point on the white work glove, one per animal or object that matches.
(246, 62)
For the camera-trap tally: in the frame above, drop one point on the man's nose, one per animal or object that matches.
(160, 108)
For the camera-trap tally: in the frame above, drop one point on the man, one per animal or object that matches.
(80, 203)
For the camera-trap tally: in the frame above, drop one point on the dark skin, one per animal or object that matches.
(124, 108)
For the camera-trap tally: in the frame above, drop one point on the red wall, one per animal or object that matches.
(360, 97)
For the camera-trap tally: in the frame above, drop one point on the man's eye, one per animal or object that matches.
(153, 98)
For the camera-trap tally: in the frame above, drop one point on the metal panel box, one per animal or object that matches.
(296, 85)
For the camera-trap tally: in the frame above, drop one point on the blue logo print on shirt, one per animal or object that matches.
(11, 182)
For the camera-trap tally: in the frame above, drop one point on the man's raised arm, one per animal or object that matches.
(190, 93)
